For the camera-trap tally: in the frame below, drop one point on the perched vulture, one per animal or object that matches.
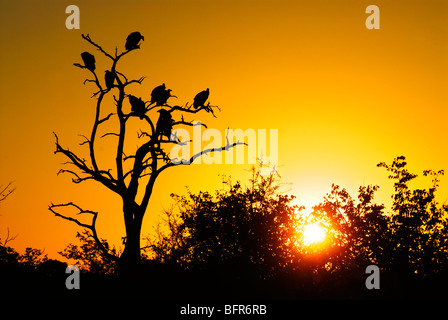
(200, 99)
(109, 78)
(164, 124)
(160, 95)
(89, 61)
(157, 94)
(137, 106)
(132, 40)
(164, 97)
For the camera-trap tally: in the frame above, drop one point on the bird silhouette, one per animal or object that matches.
(137, 106)
(201, 98)
(164, 124)
(132, 41)
(89, 61)
(157, 94)
(160, 95)
(109, 78)
(164, 96)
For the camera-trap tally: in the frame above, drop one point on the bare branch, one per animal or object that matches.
(79, 66)
(139, 81)
(98, 92)
(95, 174)
(224, 148)
(8, 238)
(143, 134)
(54, 208)
(208, 108)
(107, 173)
(76, 180)
(85, 141)
(89, 80)
(5, 192)
(128, 157)
(89, 40)
(119, 73)
(199, 154)
(99, 48)
(188, 123)
(106, 118)
(110, 134)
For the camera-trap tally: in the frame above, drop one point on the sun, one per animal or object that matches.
(313, 234)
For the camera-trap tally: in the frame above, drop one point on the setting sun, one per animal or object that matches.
(313, 234)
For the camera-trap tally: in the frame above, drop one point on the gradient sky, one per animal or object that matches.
(342, 97)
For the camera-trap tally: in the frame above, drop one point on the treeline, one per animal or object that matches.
(246, 242)
(253, 234)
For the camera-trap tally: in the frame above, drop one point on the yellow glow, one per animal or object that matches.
(313, 234)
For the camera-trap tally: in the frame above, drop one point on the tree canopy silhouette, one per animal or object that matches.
(247, 229)
(149, 160)
(255, 231)
(419, 224)
(247, 241)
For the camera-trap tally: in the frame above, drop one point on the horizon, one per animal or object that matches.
(342, 97)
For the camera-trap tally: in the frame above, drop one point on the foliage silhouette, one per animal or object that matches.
(88, 255)
(29, 275)
(249, 229)
(419, 225)
(254, 232)
(246, 242)
(358, 230)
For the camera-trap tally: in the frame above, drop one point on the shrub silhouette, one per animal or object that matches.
(252, 232)
(249, 230)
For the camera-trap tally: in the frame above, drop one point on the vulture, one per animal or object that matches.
(89, 61)
(200, 98)
(132, 40)
(160, 95)
(137, 106)
(164, 124)
(164, 97)
(157, 94)
(109, 78)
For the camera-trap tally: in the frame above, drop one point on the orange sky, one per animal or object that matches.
(342, 97)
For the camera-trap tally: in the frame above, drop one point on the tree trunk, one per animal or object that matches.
(130, 258)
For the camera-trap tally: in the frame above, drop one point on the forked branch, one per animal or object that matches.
(54, 208)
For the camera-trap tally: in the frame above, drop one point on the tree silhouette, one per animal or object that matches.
(419, 225)
(252, 232)
(245, 231)
(88, 256)
(149, 160)
(358, 235)
(409, 244)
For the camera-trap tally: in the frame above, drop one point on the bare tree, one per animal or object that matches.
(149, 160)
